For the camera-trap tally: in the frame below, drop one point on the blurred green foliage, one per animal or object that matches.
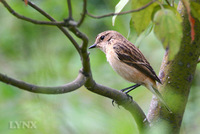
(42, 55)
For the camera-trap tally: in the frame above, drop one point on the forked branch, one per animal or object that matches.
(53, 21)
(85, 75)
(66, 33)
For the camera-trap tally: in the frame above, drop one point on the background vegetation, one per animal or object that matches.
(43, 55)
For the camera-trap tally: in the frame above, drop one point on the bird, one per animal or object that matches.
(129, 62)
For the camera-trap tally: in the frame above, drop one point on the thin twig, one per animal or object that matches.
(83, 13)
(77, 83)
(122, 13)
(60, 27)
(82, 50)
(29, 19)
(53, 21)
(69, 8)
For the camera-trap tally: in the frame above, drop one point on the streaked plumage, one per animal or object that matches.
(128, 61)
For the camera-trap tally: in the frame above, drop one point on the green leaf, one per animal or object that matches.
(168, 30)
(142, 18)
(118, 8)
(195, 9)
(158, 7)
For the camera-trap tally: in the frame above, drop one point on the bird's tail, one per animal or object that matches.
(155, 91)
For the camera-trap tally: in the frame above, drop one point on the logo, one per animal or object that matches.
(22, 125)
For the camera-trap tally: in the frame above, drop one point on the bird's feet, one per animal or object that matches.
(126, 91)
(129, 97)
(113, 102)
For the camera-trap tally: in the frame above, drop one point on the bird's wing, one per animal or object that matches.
(133, 57)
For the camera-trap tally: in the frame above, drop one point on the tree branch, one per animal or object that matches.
(69, 8)
(29, 19)
(84, 53)
(86, 79)
(60, 27)
(122, 13)
(53, 21)
(83, 13)
(77, 83)
(121, 99)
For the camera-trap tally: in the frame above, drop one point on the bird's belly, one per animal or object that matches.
(127, 72)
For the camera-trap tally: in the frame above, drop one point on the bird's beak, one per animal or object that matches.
(93, 46)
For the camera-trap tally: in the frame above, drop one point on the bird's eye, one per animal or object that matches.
(102, 37)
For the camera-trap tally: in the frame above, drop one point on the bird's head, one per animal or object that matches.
(104, 39)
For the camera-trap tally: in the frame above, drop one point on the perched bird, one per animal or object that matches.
(128, 61)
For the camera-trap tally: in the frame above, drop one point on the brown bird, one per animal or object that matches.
(128, 61)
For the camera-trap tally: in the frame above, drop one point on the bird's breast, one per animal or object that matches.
(126, 71)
